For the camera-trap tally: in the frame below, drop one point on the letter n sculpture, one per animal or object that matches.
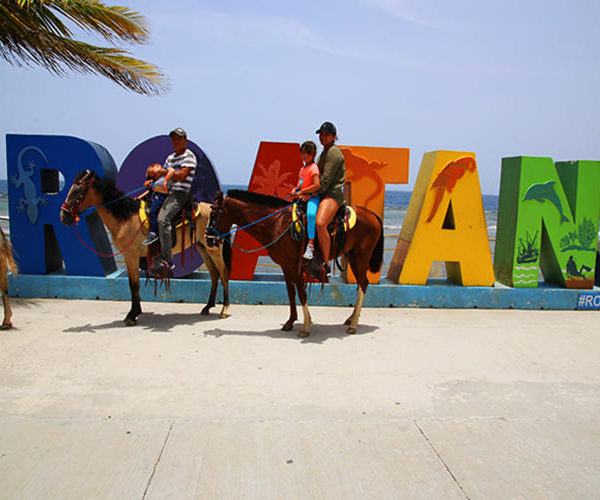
(547, 220)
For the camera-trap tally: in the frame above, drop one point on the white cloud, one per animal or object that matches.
(235, 28)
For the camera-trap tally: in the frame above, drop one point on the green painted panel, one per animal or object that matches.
(552, 225)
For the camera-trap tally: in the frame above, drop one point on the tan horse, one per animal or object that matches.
(120, 214)
(7, 262)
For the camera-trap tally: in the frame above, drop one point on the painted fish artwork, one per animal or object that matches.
(546, 192)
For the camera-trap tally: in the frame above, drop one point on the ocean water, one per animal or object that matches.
(396, 204)
(4, 205)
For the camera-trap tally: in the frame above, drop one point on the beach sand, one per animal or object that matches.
(420, 403)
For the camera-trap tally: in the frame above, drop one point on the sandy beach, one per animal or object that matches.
(420, 403)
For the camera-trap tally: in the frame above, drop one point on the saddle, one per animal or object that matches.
(315, 270)
(187, 215)
(343, 221)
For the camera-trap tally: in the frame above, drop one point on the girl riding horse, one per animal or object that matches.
(268, 220)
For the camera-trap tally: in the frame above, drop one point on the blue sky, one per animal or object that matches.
(496, 78)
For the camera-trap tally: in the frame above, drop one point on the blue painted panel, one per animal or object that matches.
(38, 236)
(197, 288)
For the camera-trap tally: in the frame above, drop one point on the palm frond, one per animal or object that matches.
(31, 32)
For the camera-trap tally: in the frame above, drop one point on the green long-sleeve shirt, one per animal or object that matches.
(332, 171)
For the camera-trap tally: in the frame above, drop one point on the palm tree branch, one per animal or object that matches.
(57, 54)
(31, 33)
(111, 22)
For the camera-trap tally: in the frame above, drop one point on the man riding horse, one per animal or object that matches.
(183, 162)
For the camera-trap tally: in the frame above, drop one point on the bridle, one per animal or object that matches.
(83, 185)
(213, 238)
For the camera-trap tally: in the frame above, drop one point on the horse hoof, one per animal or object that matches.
(287, 327)
(205, 311)
(130, 322)
(223, 315)
(347, 322)
(350, 330)
(303, 335)
(6, 326)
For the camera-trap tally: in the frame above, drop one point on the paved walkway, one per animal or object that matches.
(420, 403)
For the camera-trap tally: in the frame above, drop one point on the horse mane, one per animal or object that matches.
(257, 198)
(123, 208)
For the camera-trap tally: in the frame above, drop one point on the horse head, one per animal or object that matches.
(212, 235)
(75, 202)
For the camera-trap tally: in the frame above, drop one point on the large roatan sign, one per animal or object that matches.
(548, 213)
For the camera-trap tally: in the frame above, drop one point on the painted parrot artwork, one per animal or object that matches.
(447, 179)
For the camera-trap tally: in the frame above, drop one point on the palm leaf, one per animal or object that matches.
(32, 32)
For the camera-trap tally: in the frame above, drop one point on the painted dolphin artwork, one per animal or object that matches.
(543, 192)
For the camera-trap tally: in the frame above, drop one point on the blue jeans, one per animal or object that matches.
(312, 205)
(157, 202)
(173, 204)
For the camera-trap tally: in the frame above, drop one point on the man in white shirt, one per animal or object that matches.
(183, 161)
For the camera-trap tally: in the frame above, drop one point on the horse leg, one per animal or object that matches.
(224, 274)
(301, 287)
(361, 277)
(360, 297)
(6, 323)
(214, 278)
(291, 290)
(134, 286)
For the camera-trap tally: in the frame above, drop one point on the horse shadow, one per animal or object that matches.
(155, 323)
(318, 333)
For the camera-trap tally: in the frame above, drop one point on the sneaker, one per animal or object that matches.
(151, 238)
(309, 252)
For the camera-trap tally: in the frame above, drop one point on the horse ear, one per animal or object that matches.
(219, 198)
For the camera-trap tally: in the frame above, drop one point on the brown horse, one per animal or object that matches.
(7, 262)
(120, 214)
(363, 246)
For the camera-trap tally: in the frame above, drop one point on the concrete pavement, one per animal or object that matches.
(420, 403)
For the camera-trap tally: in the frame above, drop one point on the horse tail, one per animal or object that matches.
(6, 253)
(377, 255)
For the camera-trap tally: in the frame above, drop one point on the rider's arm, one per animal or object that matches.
(169, 175)
(313, 187)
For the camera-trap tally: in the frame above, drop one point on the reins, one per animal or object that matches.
(268, 244)
(233, 231)
(112, 254)
(74, 211)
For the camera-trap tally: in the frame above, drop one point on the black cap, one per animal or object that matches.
(178, 131)
(327, 128)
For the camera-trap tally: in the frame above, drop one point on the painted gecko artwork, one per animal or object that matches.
(545, 191)
(358, 168)
(447, 179)
(30, 201)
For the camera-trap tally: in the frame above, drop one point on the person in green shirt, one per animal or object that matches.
(332, 170)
